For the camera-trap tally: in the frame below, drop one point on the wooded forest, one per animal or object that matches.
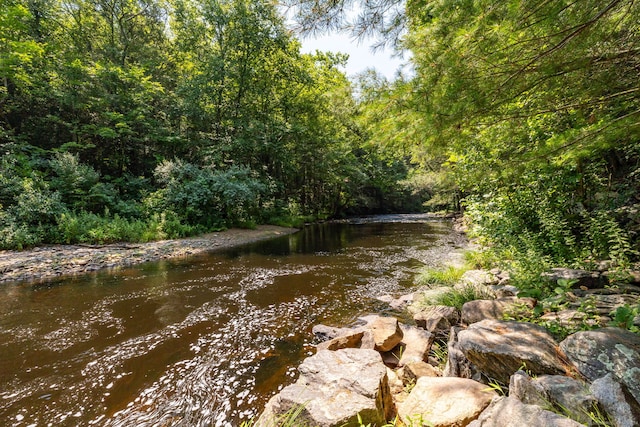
(138, 119)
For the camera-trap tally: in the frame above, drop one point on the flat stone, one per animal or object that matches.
(478, 278)
(499, 349)
(502, 291)
(510, 412)
(607, 350)
(566, 318)
(397, 303)
(412, 371)
(445, 402)
(349, 339)
(477, 310)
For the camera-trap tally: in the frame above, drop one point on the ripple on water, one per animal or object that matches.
(203, 343)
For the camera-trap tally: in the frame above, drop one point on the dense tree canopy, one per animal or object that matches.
(166, 118)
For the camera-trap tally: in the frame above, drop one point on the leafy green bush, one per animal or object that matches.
(206, 197)
(16, 235)
(543, 219)
(87, 227)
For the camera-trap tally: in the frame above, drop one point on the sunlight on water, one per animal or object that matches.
(199, 342)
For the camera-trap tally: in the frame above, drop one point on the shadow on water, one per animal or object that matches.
(201, 341)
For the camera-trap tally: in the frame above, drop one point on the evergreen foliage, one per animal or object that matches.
(532, 108)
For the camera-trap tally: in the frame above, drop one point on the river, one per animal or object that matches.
(203, 341)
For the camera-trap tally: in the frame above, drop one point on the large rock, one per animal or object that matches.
(335, 387)
(510, 412)
(444, 402)
(437, 319)
(385, 333)
(581, 278)
(608, 350)
(498, 349)
(622, 408)
(477, 310)
(568, 395)
(457, 363)
(416, 344)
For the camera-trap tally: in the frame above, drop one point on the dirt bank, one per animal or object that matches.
(52, 261)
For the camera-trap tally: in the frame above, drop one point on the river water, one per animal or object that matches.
(203, 341)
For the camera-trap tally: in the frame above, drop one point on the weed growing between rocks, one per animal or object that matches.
(446, 276)
(455, 297)
(439, 354)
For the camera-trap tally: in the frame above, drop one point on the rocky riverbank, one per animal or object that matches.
(471, 367)
(62, 260)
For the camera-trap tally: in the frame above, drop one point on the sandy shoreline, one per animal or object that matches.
(63, 260)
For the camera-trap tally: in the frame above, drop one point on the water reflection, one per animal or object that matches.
(203, 341)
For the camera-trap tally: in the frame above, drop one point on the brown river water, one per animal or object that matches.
(203, 341)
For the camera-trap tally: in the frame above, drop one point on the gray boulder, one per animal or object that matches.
(604, 304)
(477, 310)
(498, 349)
(335, 387)
(622, 408)
(569, 396)
(444, 402)
(510, 412)
(608, 350)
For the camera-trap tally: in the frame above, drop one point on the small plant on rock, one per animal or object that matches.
(624, 316)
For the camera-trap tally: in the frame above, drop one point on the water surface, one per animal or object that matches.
(203, 341)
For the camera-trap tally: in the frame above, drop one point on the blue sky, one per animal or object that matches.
(360, 55)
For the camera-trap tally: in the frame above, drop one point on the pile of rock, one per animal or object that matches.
(497, 373)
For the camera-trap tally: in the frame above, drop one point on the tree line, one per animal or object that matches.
(170, 118)
(145, 119)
